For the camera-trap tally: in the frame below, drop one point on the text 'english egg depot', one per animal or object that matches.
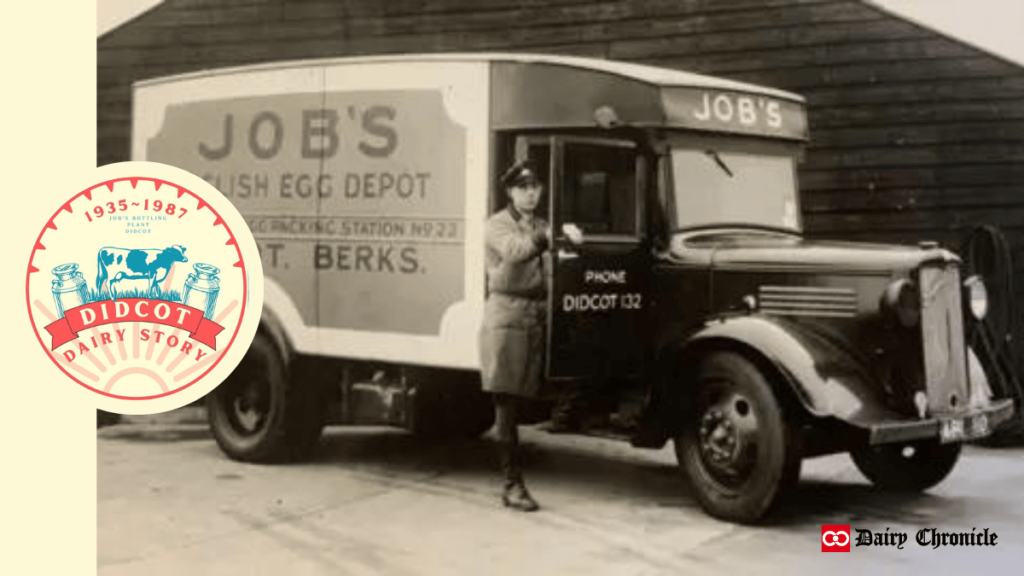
(321, 135)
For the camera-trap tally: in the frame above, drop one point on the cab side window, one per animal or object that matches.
(599, 188)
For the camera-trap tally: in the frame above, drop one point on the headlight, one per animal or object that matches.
(900, 301)
(977, 297)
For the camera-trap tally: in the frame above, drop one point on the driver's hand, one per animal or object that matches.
(573, 232)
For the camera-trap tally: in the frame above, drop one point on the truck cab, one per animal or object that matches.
(693, 303)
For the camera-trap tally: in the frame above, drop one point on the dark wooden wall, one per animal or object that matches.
(915, 136)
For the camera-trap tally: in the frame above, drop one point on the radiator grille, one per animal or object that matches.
(942, 335)
(808, 301)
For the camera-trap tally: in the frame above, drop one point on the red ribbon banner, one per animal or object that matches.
(134, 310)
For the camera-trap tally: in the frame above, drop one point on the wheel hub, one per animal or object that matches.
(248, 418)
(248, 408)
(718, 437)
(727, 436)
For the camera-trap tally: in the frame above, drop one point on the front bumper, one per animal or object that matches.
(977, 422)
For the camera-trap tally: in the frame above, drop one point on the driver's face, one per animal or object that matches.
(525, 198)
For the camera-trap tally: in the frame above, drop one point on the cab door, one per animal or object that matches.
(598, 300)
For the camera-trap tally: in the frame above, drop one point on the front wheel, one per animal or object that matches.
(736, 447)
(910, 467)
(259, 414)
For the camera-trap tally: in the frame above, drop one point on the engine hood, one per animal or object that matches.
(766, 251)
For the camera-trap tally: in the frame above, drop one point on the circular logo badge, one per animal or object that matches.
(145, 287)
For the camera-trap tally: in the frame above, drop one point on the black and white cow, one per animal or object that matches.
(117, 264)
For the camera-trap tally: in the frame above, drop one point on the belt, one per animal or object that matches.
(541, 297)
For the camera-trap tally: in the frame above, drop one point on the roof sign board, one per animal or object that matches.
(727, 111)
(563, 93)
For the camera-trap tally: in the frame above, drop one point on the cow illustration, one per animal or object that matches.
(117, 264)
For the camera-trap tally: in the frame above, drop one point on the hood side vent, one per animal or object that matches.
(807, 301)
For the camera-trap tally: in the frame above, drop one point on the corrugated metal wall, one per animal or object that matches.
(914, 135)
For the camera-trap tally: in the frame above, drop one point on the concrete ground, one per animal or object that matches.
(382, 502)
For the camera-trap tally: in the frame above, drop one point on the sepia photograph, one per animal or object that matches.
(602, 287)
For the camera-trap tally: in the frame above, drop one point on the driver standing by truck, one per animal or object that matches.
(512, 336)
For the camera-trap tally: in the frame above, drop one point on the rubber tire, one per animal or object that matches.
(776, 469)
(887, 468)
(295, 415)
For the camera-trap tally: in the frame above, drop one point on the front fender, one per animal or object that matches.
(827, 380)
(830, 381)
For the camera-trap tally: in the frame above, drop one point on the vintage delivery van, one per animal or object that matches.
(694, 301)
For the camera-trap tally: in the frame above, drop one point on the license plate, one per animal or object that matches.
(962, 429)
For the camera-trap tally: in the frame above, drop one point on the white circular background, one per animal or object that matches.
(77, 239)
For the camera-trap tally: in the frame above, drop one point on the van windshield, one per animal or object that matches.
(731, 182)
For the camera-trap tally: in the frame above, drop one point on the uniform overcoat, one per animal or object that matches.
(515, 314)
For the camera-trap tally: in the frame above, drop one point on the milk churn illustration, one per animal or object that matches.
(201, 289)
(69, 290)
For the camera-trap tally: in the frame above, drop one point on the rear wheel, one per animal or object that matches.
(736, 447)
(909, 467)
(259, 414)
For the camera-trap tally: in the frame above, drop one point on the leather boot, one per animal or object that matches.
(517, 497)
(514, 495)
